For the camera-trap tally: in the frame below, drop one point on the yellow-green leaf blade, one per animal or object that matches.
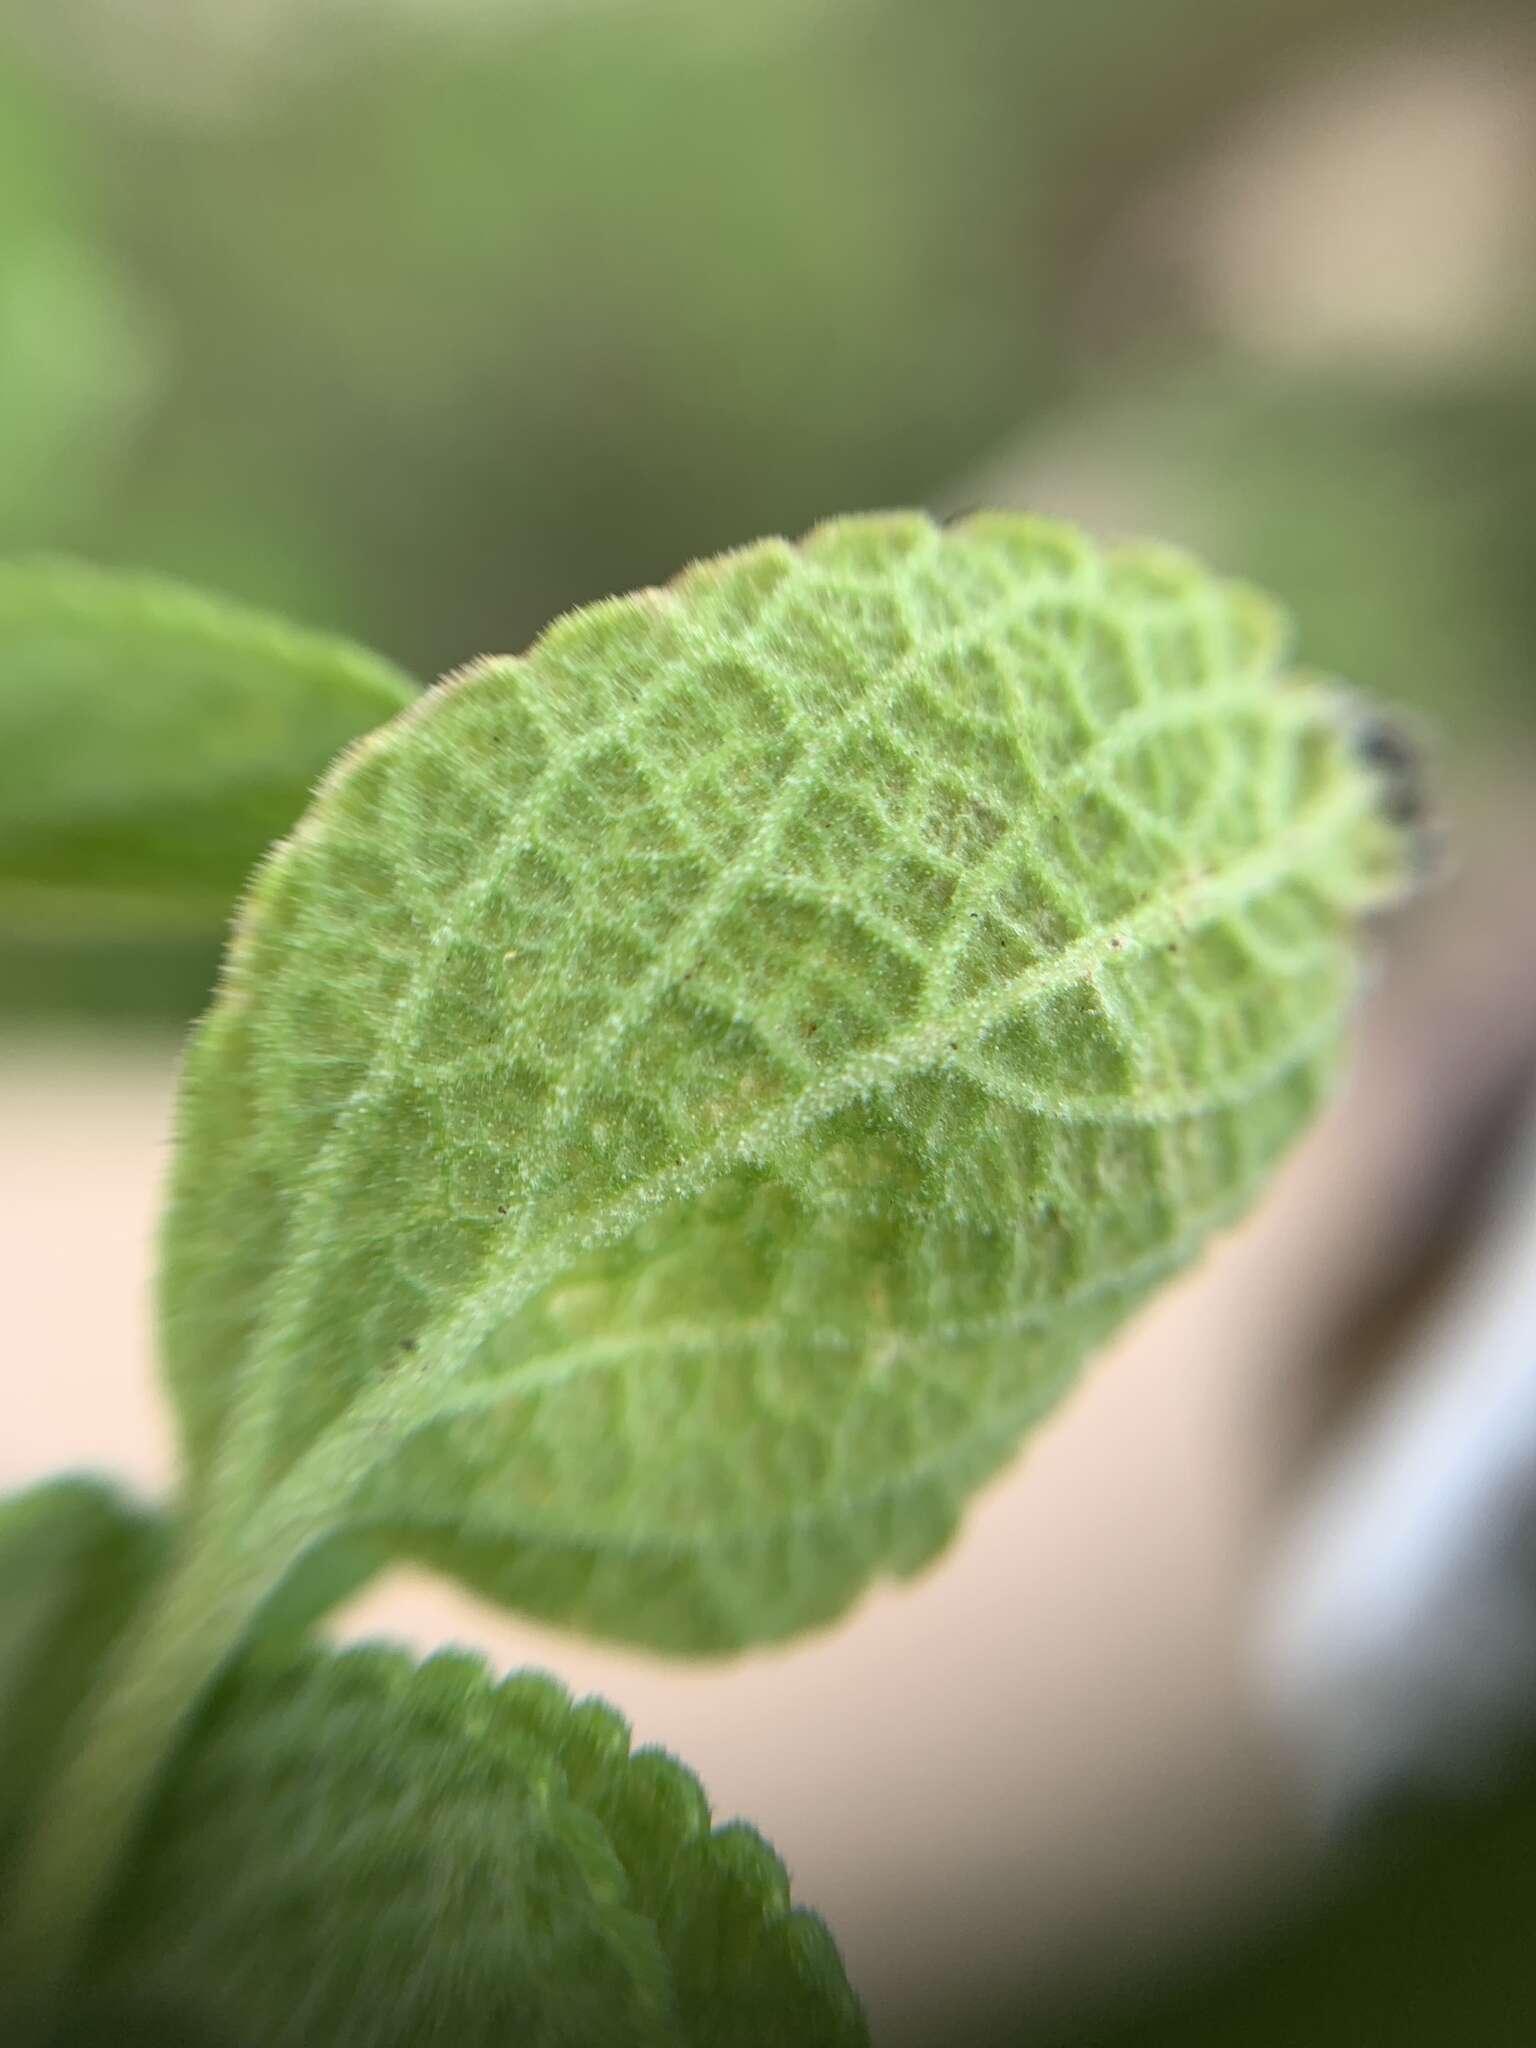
(687, 1100)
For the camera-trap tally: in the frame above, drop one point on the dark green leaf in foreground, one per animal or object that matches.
(352, 1853)
(74, 1561)
(684, 1102)
(347, 1849)
(153, 741)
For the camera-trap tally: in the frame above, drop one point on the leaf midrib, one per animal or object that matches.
(523, 1268)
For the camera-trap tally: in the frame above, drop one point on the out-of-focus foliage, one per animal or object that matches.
(157, 742)
(487, 311)
(1427, 1941)
(48, 978)
(1399, 521)
(422, 324)
(78, 362)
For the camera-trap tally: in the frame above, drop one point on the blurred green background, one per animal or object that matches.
(422, 322)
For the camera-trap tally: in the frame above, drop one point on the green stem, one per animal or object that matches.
(239, 1548)
(195, 1622)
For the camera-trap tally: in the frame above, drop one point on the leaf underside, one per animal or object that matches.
(686, 1100)
(153, 741)
(347, 1849)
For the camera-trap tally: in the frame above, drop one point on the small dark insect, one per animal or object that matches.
(1387, 747)
(1406, 795)
(407, 1343)
(501, 1208)
(811, 1030)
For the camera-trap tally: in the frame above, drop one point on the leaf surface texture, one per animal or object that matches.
(685, 1101)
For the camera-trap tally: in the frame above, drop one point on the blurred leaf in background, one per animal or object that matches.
(156, 742)
(79, 360)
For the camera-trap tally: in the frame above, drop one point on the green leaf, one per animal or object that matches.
(352, 1851)
(685, 1101)
(154, 741)
(347, 1849)
(74, 1561)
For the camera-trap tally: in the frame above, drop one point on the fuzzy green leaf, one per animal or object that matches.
(352, 1853)
(74, 1561)
(153, 741)
(685, 1101)
(346, 1849)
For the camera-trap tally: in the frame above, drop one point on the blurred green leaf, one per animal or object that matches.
(153, 741)
(79, 355)
(153, 983)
